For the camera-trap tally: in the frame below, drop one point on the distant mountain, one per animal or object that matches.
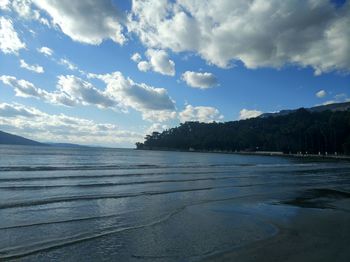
(331, 107)
(65, 145)
(9, 139)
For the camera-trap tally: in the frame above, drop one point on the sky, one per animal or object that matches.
(108, 72)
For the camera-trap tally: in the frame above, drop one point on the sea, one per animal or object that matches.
(102, 204)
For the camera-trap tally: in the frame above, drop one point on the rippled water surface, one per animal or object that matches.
(94, 204)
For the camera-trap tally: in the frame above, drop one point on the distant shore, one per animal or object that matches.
(259, 153)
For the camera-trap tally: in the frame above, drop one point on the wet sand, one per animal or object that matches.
(319, 232)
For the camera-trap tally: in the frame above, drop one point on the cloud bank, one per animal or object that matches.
(120, 93)
(35, 124)
(259, 33)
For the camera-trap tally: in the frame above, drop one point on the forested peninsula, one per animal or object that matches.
(302, 131)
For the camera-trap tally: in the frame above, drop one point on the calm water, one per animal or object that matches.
(125, 205)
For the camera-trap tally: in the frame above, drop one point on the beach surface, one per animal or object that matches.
(319, 231)
(84, 204)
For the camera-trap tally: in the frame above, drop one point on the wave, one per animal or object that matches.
(147, 166)
(20, 251)
(111, 184)
(107, 167)
(71, 198)
(33, 187)
(44, 178)
(61, 221)
(77, 167)
(320, 172)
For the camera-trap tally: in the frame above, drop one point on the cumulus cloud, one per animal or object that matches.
(136, 57)
(143, 66)
(83, 92)
(246, 114)
(120, 93)
(154, 103)
(88, 21)
(9, 40)
(199, 80)
(205, 114)
(45, 50)
(24, 9)
(14, 110)
(259, 33)
(321, 93)
(158, 61)
(4, 4)
(23, 88)
(35, 124)
(35, 68)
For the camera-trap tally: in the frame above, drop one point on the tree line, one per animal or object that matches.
(302, 131)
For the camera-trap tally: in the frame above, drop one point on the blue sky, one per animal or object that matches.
(108, 72)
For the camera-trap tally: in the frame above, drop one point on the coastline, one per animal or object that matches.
(255, 153)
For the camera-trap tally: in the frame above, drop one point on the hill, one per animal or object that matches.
(67, 145)
(316, 131)
(9, 139)
(332, 107)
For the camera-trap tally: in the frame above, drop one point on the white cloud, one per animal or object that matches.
(338, 98)
(15, 110)
(260, 33)
(9, 40)
(87, 21)
(199, 80)
(35, 124)
(45, 50)
(35, 68)
(68, 64)
(24, 9)
(120, 93)
(156, 127)
(136, 57)
(205, 114)
(158, 61)
(83, 92)
(4, 5)
(245, 114)
(158, 115)
(143, 66)
(24, 88)
(321, 94)
(154, 103)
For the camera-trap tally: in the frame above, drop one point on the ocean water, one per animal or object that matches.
(95, 204)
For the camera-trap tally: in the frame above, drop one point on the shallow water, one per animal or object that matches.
(95, 204)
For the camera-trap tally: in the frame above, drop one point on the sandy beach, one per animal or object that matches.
(319, 232)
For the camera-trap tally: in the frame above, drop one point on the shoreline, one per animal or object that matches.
(257, 153)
